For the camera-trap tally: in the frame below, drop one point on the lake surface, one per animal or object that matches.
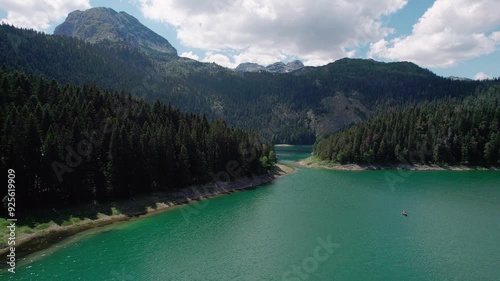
(311, 225)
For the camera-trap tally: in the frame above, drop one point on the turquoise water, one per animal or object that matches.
(279, 232)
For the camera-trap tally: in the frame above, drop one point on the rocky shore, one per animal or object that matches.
(315, 163)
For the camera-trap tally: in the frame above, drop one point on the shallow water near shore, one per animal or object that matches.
(313, 224)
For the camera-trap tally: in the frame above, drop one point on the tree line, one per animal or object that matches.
(450, 131)
(72, 144)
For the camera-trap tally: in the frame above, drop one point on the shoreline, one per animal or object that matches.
(312, 162)
(157, 202)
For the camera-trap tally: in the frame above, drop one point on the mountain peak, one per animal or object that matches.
(249, 67)
(99, 24)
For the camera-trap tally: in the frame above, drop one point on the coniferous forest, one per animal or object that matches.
(452, 131)
(77, 144)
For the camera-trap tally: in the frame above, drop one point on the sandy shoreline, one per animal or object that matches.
(27, 244)
(314, 163)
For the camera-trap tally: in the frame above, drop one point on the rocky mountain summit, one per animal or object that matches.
(100, 24)
(250, 67)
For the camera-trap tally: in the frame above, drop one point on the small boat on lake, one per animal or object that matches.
(404, 213)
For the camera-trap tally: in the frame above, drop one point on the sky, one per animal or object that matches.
(449, 37)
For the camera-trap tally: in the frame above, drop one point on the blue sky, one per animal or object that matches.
(450, 37)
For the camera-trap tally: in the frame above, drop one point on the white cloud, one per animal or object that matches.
(219, 59)
(450, 31)
(481, 76)
(39, 14)
(496, 36)
(259, 55)
(190, 55)
(265, 31)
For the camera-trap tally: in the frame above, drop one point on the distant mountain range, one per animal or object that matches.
(277, 67)
(115, 51)
(456, 78)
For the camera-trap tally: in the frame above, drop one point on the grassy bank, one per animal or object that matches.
(40, 229)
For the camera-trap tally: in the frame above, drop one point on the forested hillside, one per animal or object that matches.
(69, 60)
(76, 144)
(295, 107)
(452, 131)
